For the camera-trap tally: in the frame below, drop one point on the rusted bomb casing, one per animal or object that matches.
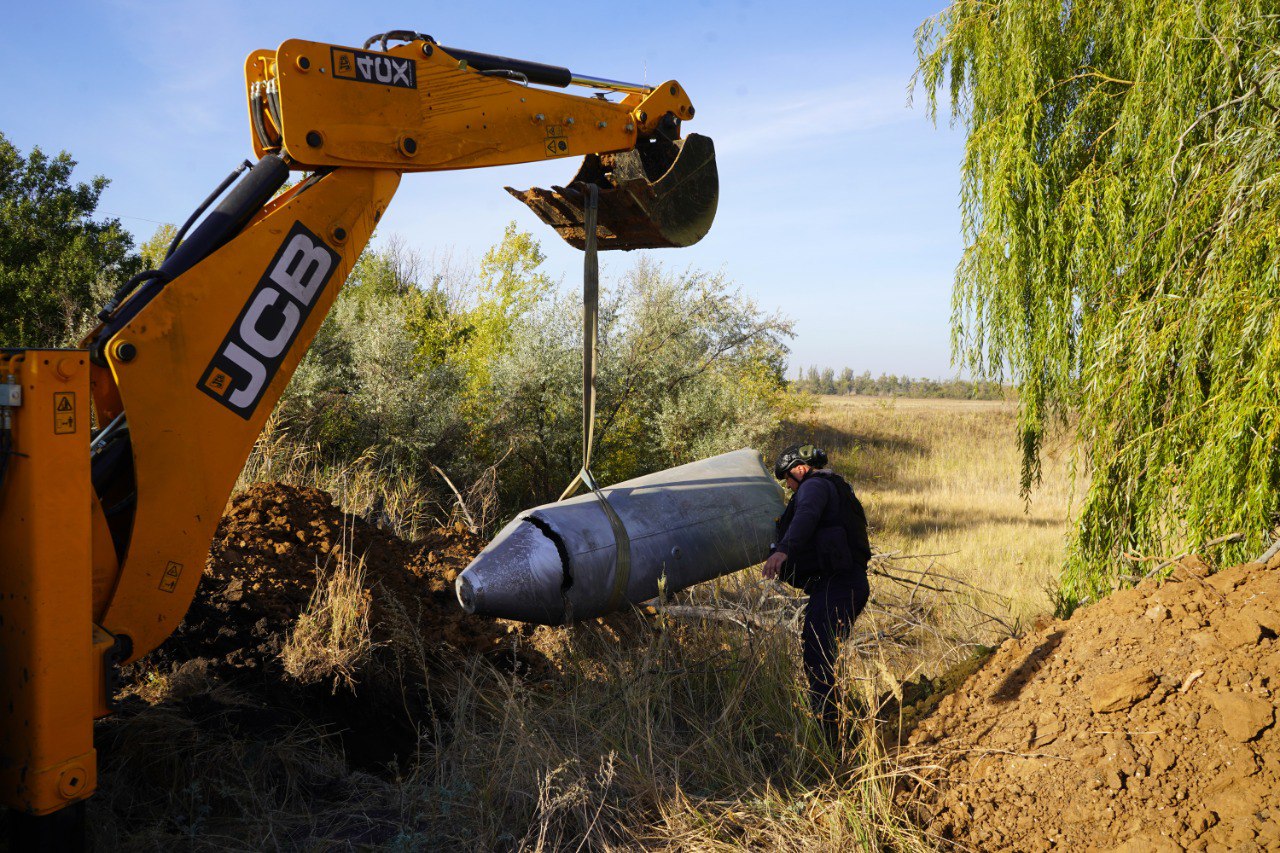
(559, 562)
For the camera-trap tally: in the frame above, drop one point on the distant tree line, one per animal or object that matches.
(825, 380)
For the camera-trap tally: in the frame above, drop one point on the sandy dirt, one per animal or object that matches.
(1145, 722)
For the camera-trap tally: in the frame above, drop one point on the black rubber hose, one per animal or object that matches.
(535, 72)
(204, 205)
(223, 223)
(124, 290)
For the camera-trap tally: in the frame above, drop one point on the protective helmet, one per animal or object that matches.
(799, 454)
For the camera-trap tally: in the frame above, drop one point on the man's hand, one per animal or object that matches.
(773, 565)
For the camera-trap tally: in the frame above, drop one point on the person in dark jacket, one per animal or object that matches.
(822, 548)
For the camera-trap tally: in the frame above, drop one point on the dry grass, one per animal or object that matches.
(332, 638)
(386, 496)
(940, 477)
(666, 734)
(676, 735)
(687, 729)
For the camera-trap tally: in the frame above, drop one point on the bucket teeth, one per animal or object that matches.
(661, 194)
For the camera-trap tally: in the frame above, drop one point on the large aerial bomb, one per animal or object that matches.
(596, 553)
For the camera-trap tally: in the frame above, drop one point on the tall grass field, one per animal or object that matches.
(940, 478)
(681, 727)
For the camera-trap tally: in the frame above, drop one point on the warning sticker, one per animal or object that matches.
(557, 143)
(344, 63)
(169, 580)
(64, 412)
(218, 382)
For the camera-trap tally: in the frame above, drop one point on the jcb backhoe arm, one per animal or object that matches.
(104, 531)
(438, 108)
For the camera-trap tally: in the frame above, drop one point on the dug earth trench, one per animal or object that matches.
(1147, 721)
(223, 667)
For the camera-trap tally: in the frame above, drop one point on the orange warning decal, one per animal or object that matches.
(64, 412)
(218, 382)
(169, 580)
(557, 144)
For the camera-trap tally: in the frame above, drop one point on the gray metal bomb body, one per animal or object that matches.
(558, 562)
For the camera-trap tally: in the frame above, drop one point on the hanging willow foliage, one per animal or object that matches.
(1121, 210)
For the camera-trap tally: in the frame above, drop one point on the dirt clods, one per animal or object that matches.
(263, 565)
(1147, 721)
(270, 549)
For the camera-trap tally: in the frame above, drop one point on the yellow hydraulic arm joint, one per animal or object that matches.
(420, 107)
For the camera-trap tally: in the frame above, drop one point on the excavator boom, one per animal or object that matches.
(106, 529)
(420, 107)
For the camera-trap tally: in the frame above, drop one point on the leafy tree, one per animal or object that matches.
(534, 389)
(152, 252)
(1121, 228)
(846, 381)
(363, 386)
(687, 368)
(472, 373)
(56, 262)
(690, 368)
(511, 284)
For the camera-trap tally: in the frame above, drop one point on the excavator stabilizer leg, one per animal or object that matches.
(663, 193)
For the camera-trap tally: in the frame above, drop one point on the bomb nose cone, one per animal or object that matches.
(519, 575)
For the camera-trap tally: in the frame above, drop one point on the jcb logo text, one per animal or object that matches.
(260, 338)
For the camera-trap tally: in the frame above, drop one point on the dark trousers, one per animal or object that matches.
(834, 603)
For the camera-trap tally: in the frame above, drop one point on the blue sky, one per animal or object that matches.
(838, 205)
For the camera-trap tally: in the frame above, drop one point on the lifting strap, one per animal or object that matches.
(590, 338)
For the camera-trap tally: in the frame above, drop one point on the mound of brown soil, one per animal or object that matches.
(1147, 721)
(262, 569)
(222, 668)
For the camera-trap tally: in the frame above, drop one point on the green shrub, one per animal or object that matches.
(482, 373)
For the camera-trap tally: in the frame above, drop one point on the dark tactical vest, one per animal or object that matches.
(838, 547)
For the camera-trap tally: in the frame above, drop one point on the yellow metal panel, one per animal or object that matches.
(46, 630)
(214, 351)
(106, 397)
(106, 567)
(451, 117)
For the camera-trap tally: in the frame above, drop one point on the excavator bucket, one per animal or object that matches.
(662, 193)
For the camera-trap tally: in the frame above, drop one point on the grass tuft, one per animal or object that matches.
(332, 638)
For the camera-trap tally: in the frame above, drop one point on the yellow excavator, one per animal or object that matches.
(117, 459)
